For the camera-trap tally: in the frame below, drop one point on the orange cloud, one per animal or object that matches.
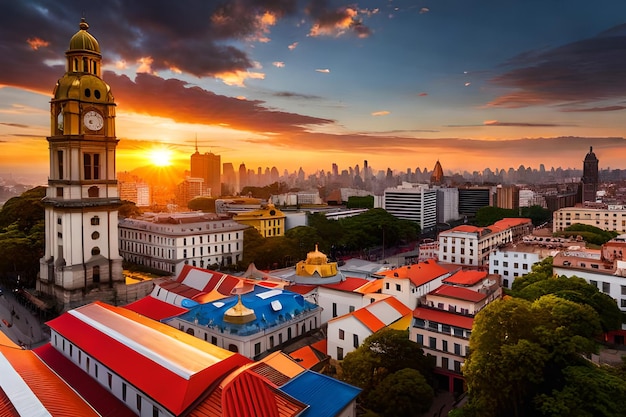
(36, 43)
(381, 113)
(238, 78)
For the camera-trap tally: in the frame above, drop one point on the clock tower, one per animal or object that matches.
(81, 204)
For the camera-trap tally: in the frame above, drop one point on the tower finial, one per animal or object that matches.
(196, 143)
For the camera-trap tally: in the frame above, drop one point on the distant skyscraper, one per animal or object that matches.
(590, 177)
(208, 166)
(243, 176)
(437, 177)
(229, 178)
(507, 197)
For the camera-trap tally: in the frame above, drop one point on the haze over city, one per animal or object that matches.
(304, 84)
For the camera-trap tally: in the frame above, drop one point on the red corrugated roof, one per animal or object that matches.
(466, 277)
(459, 293)
(301, 288)
(155, 309)
(95, 394)
(164, 384)
(443, 317)
(419, 274)
(348, 284)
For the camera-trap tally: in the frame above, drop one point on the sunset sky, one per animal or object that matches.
(292, 84)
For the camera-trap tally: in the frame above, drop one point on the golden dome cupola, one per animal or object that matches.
(83, 55)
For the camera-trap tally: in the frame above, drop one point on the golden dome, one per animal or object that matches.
(77, 86)
(83, 40)
(239, 314)
(316, 257)
(316, 264)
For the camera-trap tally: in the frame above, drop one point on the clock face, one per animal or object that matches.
(93, 120)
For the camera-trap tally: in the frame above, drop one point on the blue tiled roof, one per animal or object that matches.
(326, 396)
(271, 307)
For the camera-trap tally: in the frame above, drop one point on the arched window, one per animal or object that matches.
(95, 251)
(93, 192)
(96, 273)
(233, 348)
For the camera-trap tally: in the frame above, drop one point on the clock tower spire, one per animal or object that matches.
(82, 200)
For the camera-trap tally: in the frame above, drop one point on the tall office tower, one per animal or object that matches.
(473, 198)
(335, 171)
(243, 176)
(589, 181)
(229, 178)
(208, 166)
(507, 197)
(274, 176)
(416, 203)
(81, 204)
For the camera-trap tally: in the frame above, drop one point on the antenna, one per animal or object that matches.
(196, 143)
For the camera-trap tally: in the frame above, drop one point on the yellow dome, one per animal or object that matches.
(316, 257)
(83, 40)
(84, 87)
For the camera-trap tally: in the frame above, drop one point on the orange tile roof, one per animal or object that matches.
(398, 305)
(321, 346)
(419, 273)
(511, 222)
(58, 398)
(371, 287)
(368, 319)
(466, 277)
(466, 228)
(307, 357)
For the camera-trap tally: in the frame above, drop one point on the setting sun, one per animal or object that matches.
(161, 157)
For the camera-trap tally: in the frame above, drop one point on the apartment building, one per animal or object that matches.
(606, 217)
(472, 245)
(167, 242)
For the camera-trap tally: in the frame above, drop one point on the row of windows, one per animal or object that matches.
(442, 328)
(110, 381)
(505, 264)
(432, 344)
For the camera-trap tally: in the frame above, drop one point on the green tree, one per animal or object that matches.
(589, 233)
(488, 215)
(360, 202)
(404, 393)
(589, 391)
(519, 351)
(383, 353)
(302, 239)
(537, 214)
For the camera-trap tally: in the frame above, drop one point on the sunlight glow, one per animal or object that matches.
(161, 157)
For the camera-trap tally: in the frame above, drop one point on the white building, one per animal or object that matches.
(471, 245)
(415, 202)
(611, 218)
(346, 296)
(347, 332)
(253, 323)
(167, 242)
(447, 205)
(410, 282)
(514, 261)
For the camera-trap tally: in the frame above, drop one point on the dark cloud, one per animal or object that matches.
(586, 71)
(289, 94)
(196, 38)
(14, 125)
(152, 95)
(521, 124)
(595, 109)
(331, 20)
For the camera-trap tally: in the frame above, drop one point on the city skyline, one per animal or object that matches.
(304, 84)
